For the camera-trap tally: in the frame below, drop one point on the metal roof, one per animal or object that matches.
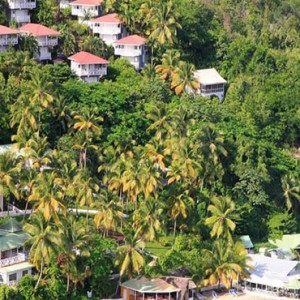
(209, 76)
(11, 225)
(145, 285)
(245, 239)
(16, 267)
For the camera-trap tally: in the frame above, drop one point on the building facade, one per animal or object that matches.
(88, 67)
(86, 9)
(46, 37)
(13, 256)
(109, 28)
(8, 37)
(19, 10)
(132, 48)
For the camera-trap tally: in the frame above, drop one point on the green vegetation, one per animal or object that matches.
(179, 175)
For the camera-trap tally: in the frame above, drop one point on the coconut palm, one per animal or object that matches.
(44, 242)
(183, 78)
(222, 216)
(129, 257)
(291, 189)
(29, 43)
(69, 43)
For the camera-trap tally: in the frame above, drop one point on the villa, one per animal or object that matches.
(211, 83)
(19, 10)
(109, 28)
(13, 256)
(8, 37)
(46, 38)
(133, 49)
(89, 67)
(86, 9)
(165, 288)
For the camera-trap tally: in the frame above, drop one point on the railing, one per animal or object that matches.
(108, 30)
(12, 260)
(11, 41)
(211, 91)
(21, 18)
(128, 52)
(21, 4)
(92, 72)
(81, 12)
(47, 42)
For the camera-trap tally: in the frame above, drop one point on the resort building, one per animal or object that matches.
(272, 275)
(166, 288)
(211, 83)
(46, 37)
(89, 67)
(133, 49)
(109, 28)
(86, 9)
(13, 256)
(19, 10)
(8, 37)
(63, 4)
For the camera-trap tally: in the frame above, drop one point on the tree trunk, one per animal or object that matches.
(1, 198)
(68, 283)
(40, 276)
(174, 234)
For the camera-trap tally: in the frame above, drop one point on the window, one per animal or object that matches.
(135, 47)
(14, 252)
(12, 277)
(1, 279)
(24, 272)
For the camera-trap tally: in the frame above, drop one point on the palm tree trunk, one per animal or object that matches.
(40, 276)
(1, 198)
(174, 234)
(68, 283)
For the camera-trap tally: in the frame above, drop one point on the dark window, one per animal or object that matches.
(24, 272)
(12, 277)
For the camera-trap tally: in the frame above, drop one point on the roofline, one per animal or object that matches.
(176, 290)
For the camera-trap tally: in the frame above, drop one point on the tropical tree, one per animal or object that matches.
(221, 220)
(69, 43)
(29, 43)
(184, 79)
(291, 189)
(129, 257)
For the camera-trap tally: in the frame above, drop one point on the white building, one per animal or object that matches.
(109, 28)
(86, 9)
(46, 38)
(19, 10)
(211, 83)
(133, 49)
(13, 256)
(89, 67)
(64, 4)
(8, 37)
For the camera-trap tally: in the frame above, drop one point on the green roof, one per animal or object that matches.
(11, 226)
(145, 285)
(288, 241)
(246, 241)
(13, 240)
(17, 267)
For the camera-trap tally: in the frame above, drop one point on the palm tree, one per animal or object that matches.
(146, 220)
(69, 44)
(129, 257)
(163, 24)
(29, 43)
(48, 196)
(183, 78)
(169, 64)
(225, 263)
(8, 170)
(44, 242)
(222, 210)
(291, 189)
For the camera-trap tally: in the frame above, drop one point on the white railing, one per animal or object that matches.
(109, 30)
(12, 260)
(21, 4)
(92, 72)
(128, 52)
(47, 42)
(213, 90)
(21, 18)
(82, 12)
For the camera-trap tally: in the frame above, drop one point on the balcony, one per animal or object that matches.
(21, 18)
(21, 257)
(8, 41)
(92, 72)
(47, 42)
(107, 30)
(85, 11)
(21, 4)
(128, 52)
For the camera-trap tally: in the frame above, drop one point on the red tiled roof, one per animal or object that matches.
(7, 30)
(83, 57)
(131, 40)
(110, 18)
(38, 30)
(87, 2)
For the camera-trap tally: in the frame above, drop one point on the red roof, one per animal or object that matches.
(38, 30)
(7, 30)
(83, 57)
(110, 18)
(86, 2)
(131, 40)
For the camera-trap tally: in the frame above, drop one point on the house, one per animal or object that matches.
(109, 28)
(8, 37)
(13, 256)
(211, 83)
(166, 288)
(63, 4)
(271, 274)
(89, 67)
(19, 10)
(133, 49)
(245, 239)
(46, 38)
(86, 9)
